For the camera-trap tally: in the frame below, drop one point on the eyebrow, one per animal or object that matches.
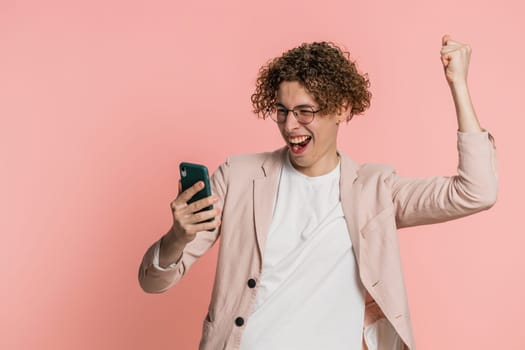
(298, 106)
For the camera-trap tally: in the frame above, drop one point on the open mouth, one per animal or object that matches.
(298, 144)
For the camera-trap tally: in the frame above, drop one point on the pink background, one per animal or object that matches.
(101, 100)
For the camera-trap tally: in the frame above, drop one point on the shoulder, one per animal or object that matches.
(375, 179)
(253, 160)
(250, 164)
(375, 189)
(367, 172)
(247, 159)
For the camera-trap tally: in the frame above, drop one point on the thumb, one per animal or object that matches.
(444, 39)
(180, 186)
(445, 60)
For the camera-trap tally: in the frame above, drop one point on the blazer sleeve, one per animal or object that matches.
(421, 201)
(156, 279)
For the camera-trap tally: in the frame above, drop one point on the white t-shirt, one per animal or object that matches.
(310, 295)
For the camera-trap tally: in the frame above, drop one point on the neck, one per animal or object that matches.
(321, 167)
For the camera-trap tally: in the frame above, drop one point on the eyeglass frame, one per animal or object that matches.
(294, 112)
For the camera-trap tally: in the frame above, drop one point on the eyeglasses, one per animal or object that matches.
(303, 114)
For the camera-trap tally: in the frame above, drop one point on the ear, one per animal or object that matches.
(344, 112)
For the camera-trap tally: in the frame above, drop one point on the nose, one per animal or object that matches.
(291, 122)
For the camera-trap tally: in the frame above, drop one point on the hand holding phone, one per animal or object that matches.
(193, 209)
(190, 174)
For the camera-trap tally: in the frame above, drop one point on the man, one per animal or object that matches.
(309, 256)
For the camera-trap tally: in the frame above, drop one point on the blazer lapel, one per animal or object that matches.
(264, 191)
(349, 193)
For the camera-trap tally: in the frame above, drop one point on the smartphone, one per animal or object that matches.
(191, 173)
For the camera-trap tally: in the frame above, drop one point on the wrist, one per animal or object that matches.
(170, 250)
(458, 84)
(170, 239)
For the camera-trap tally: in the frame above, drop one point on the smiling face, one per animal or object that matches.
(312, 147)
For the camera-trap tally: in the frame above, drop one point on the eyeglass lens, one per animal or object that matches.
(303, 114)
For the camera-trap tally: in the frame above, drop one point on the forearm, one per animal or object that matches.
(170, 250)
(467, 119)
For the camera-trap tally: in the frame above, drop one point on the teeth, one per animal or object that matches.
(299, 139)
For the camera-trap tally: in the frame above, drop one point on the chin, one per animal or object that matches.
(300, 161)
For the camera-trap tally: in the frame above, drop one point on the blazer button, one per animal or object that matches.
(239, 321)
(251, 283)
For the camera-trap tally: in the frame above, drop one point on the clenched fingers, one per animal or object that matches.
(205, 226)
(188, 225)
(201, 216)
(449, 45)
(202, 203)
(455, 57)
(446, 40)
(182, 198)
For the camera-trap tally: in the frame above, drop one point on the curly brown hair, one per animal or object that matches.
(325, 71)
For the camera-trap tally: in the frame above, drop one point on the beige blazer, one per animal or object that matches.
(376, 202)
